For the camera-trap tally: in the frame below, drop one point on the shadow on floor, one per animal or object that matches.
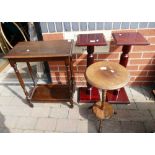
(146, 91)
(23, 99)
(3, 128)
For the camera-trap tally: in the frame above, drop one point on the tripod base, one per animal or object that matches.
(104, 113)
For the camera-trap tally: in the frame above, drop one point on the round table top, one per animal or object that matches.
(107, 75)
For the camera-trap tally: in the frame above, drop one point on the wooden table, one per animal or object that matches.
(44, 51)
(108, 76)
(125, 39)
(89, 94)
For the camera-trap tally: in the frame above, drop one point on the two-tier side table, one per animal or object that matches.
(89, 94)
(125, 39)
(56, 50)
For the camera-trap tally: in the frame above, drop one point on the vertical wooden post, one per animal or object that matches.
(14, 65)
(31, 74)
(90, 60)
(125, 55)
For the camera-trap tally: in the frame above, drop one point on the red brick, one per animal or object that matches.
(132, 78)
(135, 83)
(114, 48)
(140, 83)
(54, 79)
(79, 62)
(53, 68)
(135, 55)
(74, 56)
(81, 79)
(56, 62)
(75, 68)
(83, 84)
(81, 56)
(111, 60)
(153, 61)
(145, 79)
(151, 73)
(78, 74)
(147, 67)
(62, 68)
(108, 56)
(151, 40)
(149, 55)
(132, 67)
(59, 82)
(144, 48)
(82, 68)
(58, 74)
(138, 73)
(51, 36)
(148, 83)
(147, 32)
(140, 61)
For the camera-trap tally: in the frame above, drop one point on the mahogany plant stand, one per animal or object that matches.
(89, 94)
(125, 39)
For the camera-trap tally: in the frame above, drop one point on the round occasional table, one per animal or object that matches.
(106, 75)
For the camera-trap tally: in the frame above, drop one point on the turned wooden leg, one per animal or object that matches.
(125, 55)
(69, 80)
(31, 74)
(90, 60)
(100, 126)
(14, 65)
(123, 61)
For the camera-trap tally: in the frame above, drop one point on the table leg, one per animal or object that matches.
(69, 79)
(119, 96)
(125, 55)
(14, 65)
(90, 60)
(31, 74)
(89, 94)
(100, 126)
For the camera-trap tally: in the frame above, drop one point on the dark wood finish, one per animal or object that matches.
(96, 39)
(125, 55)
(89, 94)
(14, 65)
(88, 97)
(40, 49)
(44, 51)
(125, 39)
(117, 96)
(129, 38)
(49, 93)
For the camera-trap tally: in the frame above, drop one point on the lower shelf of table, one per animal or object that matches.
(121, 98)
(84, 97)
(50, 93)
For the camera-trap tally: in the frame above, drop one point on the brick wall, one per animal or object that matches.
(141, 63)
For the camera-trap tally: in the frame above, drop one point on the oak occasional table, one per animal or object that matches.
(44, 51)
(89, 94)
(125, 39)
(108, 76)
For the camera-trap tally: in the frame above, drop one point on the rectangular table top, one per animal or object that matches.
(129, 38)
(96, 39)
(40, 49)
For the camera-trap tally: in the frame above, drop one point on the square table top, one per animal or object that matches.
(40, 49)
(129, 38)
(96, 39)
